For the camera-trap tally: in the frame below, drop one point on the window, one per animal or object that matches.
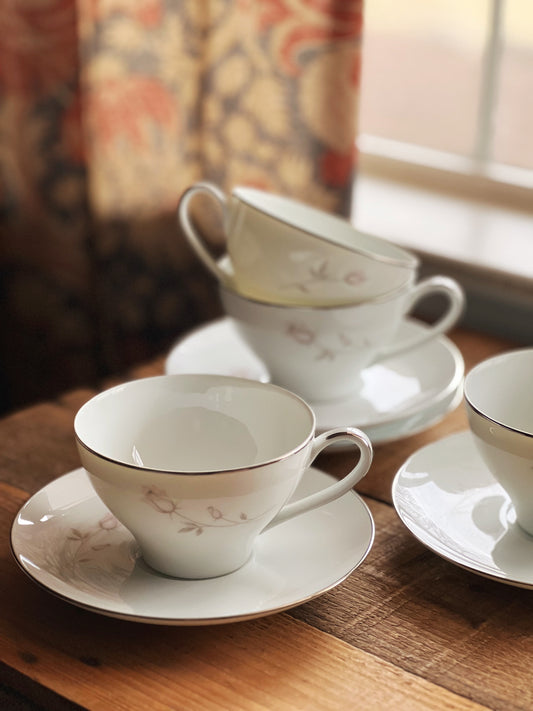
(446, 135)
(454, 78)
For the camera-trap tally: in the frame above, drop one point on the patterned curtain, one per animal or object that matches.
(109, 109)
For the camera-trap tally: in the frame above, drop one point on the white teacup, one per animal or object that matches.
(499, 403)
(284, 251)
(319, 352)
(197, 466)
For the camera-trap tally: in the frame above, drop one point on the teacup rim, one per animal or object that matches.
(188, 473)
(405, 258)
(480, 411)
(509, 428)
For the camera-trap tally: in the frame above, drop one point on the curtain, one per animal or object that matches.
(109, 109)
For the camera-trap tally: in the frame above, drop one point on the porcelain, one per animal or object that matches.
(287, 252)
(197, 466)
(450, 501)
(67, 541)
(398, 396)
(499, 406)
(320, 352)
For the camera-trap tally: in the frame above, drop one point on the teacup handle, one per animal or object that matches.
(195, 240)
(336, 490)
(429, 287)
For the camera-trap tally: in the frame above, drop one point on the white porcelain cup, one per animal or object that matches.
(319, 352)
(499, 404)
(284, 251)
(197, 466)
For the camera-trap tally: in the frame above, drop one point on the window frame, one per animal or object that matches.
(477, 175)
(499, 302)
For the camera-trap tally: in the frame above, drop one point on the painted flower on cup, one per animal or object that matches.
(214, 518)
(321, 273)
(354, 278)
(323, 350)
(300, 333)
(159, 501)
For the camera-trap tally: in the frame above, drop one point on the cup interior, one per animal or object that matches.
(325, 226)
(194, 423)
(501, 389)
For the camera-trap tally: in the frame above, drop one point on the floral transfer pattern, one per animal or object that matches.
(94, 556)
(214, 517)
(337, 344)
(319, 274)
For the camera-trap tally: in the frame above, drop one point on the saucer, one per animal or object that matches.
(399, 396)
(452, 504)
(65, 539)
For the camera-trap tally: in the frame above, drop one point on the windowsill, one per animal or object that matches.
(487, 248)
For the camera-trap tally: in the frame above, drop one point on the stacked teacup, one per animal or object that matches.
(317, 300)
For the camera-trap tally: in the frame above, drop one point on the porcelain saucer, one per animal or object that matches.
(452, 504)
(65, 539)
(399, 396)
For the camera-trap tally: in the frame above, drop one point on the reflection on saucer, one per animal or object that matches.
(388, 389)
(513, 551)
(452, 504)
(399, 396)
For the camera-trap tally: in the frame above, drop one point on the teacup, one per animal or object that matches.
(197, 466)
(284, 251)
(319, 352)
(499, 404)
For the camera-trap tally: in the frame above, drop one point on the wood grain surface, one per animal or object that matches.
(407, 630)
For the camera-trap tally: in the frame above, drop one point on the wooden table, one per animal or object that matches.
(407, 630)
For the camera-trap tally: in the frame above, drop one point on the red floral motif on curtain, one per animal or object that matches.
(109, 109)
(308, 23)
(125, 108)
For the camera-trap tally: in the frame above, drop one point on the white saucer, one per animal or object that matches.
(399, 396)
(448, 499)
(66, 540)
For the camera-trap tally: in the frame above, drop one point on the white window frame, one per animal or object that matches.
(498, 195)
(477, 175)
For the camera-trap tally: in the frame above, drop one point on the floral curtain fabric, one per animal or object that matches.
(109, 109)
